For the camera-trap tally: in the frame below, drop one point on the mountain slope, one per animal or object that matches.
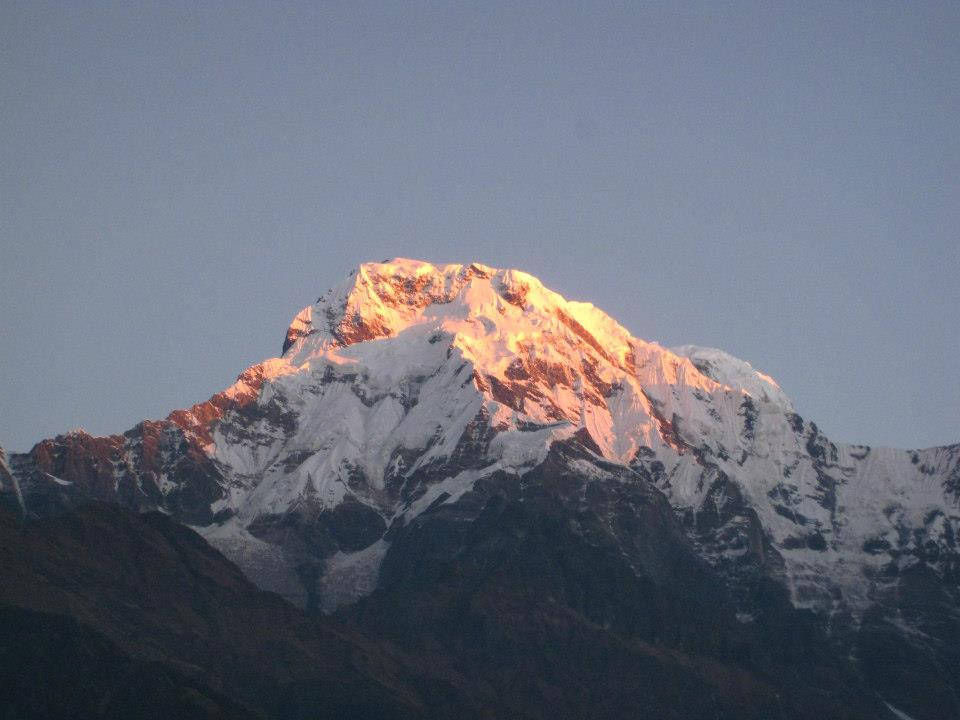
(109, 613)
(409, 386)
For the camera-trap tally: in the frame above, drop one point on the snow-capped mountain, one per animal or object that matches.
(413, 388)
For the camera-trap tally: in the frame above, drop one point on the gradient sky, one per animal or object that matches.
(178, 179)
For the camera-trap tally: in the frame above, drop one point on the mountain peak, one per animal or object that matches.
(507, 310)
(381, 299)
(534, 356)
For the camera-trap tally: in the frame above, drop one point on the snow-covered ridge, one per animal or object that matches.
(733, 372)
(384, 299)
(381, 299)
(408, 383)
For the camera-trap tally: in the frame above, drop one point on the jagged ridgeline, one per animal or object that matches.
(457, 455)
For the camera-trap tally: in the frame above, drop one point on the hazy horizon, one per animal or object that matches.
(177, 181)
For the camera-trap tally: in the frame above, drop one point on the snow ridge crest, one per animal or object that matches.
(380, 300)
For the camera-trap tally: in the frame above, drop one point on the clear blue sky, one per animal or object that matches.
(178, 179)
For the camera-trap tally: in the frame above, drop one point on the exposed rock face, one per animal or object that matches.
(415, 397)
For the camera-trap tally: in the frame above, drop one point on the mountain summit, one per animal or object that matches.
(416, 396)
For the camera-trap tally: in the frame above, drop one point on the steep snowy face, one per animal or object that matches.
(537, 357)
(409, 365)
